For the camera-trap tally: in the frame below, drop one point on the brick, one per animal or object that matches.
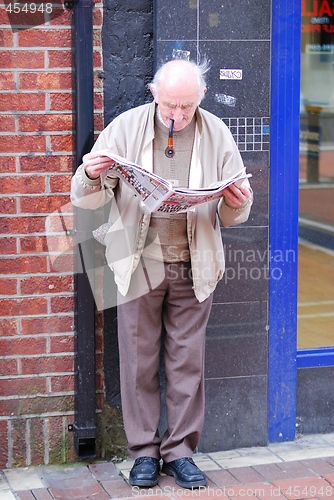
(7, 164)
(63, 263)
(19, 307)
(22, 101)
(98, 101)
(7, 123)
(7, 367)
(80, 492)
(42, 123)
(270, 472)
(22, 185)
(104, 471)
(3, 444)
(21, 265)
(96, 38)
(24, 387)
(302, 488)
(7, 206)
(9, 407)
(33, 244)
(295, 469)
(22, 59)
(99, 361)
(99, 381)
(246, 475)
(60, 58)
(98, 122)
(61, 16)
(22, 225)
(52, 324)
(329, 478)
(8, 327)
(60, 443)
(38, 494)
(7, 82)
(7, 245)
(260, 491)
(6, 35)
(19, 444)
(37, 440)
(42, 204)
(46, 284)
(62, 343)
(42, 494)
(60, 220)
(118, 488)
(97, 17)
(98, 341)
(62, 143)
(47, 364)
(97, 60)
(62, 304)
(61, 101)
(22, 144)
(45, 38)
(27, 19)
(319, 466)
(63, 383)
(43, 405)
(23, 346)
(99, 400)
(59, 163)
(44, 81)
(8, 286)
(60, 183)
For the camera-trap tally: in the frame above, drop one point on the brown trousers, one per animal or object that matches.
(174, 305)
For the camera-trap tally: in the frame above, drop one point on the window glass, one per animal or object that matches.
(316, 192)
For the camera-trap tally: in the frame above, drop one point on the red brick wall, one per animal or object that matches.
(37, 302)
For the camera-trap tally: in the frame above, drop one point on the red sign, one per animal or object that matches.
(318, 26)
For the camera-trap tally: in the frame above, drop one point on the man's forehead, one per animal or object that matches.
(183, 93)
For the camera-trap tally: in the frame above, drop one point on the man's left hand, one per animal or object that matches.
(237, 196)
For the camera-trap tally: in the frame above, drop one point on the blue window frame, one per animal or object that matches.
(284, 359)
(283, 236)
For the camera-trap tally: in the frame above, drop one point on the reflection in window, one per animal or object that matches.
(316, 193)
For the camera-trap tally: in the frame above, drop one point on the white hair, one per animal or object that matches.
(180, 69)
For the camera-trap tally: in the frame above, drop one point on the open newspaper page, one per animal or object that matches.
(158, 194)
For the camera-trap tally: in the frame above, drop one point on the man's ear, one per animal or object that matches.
(154, 93)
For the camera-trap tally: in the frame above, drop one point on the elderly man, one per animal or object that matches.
(187, 246)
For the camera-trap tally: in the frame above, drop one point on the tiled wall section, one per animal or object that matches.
(233, 36)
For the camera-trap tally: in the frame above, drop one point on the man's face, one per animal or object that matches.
(177, 102)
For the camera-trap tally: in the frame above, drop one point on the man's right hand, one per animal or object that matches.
(95, 163)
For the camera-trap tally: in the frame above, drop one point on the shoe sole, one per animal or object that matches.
(183, 484)
(143, 482)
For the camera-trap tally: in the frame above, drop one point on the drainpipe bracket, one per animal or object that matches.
(70, 4)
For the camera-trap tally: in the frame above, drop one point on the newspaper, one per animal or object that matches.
(158, 194)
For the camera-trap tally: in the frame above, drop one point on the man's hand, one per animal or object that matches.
(237, 196)
(95, 163)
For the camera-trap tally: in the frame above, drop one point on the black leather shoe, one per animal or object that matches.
(145, 472)
(185, 472)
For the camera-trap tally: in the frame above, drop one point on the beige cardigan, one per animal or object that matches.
(215, 157)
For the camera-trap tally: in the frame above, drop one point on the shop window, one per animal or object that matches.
(316, 192)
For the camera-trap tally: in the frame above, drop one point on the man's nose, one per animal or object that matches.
(177, 114)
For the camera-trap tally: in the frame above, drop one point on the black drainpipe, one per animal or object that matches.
(85, 419)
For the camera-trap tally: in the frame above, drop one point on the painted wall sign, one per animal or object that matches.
(231, 74)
